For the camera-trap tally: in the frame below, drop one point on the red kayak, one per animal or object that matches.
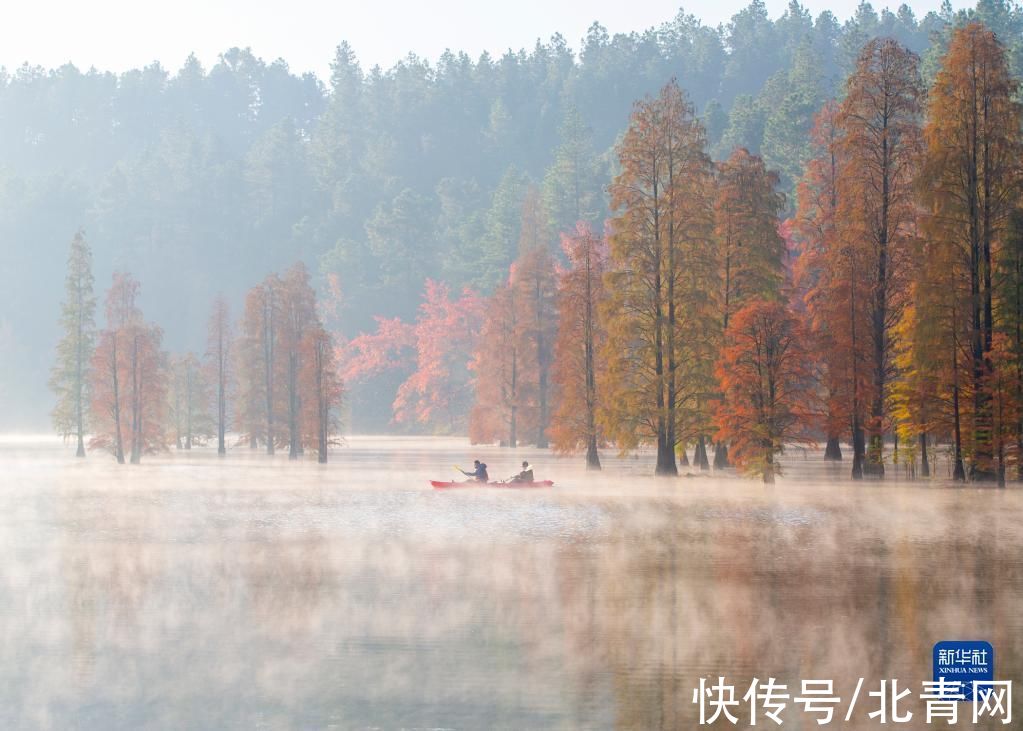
(472, 483)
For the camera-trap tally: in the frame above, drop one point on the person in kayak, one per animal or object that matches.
(526, 475)
(479, 473)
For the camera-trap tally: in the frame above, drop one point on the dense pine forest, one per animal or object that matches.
(201, 180)
(711, 241)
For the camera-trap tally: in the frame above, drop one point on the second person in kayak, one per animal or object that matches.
(526, 475)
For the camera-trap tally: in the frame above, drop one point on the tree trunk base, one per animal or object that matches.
(833, 450)
(873, 469)
(700, 455)
(982, 475)
(666, 466)
(721, 461)
(925, 463)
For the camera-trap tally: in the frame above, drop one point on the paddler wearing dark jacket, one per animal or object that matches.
(480, 473)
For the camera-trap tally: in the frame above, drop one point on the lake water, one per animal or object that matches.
(193, 592)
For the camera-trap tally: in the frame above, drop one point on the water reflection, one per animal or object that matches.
(197, 593)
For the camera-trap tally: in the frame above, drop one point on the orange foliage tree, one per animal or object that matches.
(321, 389)
(820, 270)
(299, 317)
(879, 146)
(581, 296)
(279, 314)
(660, 244)
(128, 386)
(501, 406)
(513, 361)
(971, 184)
(538, 327)
(765, 378)
(750, 248)
(261, 367)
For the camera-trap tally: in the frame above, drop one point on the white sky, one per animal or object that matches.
(120, 34)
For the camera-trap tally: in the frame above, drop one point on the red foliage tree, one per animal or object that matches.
(261, 366)
(818, 266)
(765, 379)
(439, 390)
(128, 395)
(321, 389)
(390, 348)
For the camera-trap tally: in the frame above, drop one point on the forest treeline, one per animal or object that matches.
(884, 309)
(200, 180)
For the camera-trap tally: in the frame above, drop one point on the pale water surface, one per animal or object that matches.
(193, 592)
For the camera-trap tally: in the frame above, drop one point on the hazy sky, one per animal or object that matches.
(120, 34)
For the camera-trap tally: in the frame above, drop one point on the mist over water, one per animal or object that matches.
(251, 592)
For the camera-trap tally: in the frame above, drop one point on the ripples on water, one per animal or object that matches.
(248, 593)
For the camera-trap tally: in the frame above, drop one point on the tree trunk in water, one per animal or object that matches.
(833, 449)
(118, 439)
(513, 426)
(858, 449)
(683, 458)
(80, 452)
(1019, 451)
(768, 467)
(700, 456)
(592, 456)
(188, 407)
(873, 466)
(79, 378)
(1001, 464)
(958, 473)
(221, 402)
(982, 467)
(512, 436)
(666, 466)
(268, 361)
(541, 355)
(136, 405)
(322, 407)
(925, 464)
(292, 406)
(721, 456)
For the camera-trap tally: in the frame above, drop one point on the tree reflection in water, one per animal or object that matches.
(248, 593)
